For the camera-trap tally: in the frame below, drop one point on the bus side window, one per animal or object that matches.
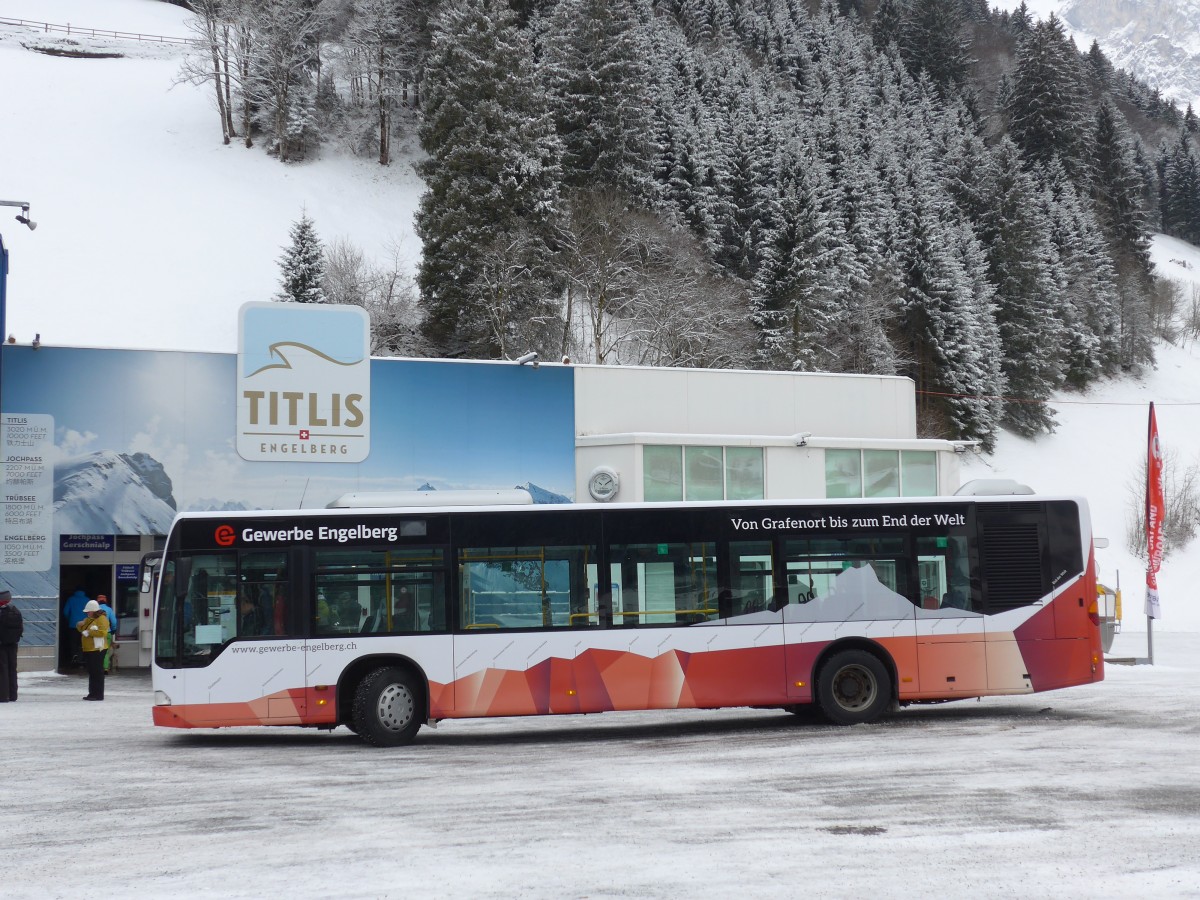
(664, 583)
(527, 587)
(944, 572)
(838, 579)
(751, 574)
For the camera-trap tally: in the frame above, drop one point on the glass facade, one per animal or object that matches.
(880, 473)
(673, 472)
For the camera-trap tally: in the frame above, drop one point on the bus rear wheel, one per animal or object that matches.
(386, 709)
(853, 687)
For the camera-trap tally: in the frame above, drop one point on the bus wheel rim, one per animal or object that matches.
(396, 707)
(854, 688)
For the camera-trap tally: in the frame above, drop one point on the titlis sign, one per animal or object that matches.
(304, 383)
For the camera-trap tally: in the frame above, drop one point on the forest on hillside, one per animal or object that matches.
(918, 187)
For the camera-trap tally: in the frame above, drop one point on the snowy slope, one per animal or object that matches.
(151, 234)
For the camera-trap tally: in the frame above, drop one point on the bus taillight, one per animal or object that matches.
(1094, 612)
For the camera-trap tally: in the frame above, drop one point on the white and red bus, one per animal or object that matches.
(386, 619)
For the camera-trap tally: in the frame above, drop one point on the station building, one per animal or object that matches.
(103, 446)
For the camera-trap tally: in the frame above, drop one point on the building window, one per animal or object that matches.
(702, 473)
(663, 468)
(880, 473)
(843, 473)
(744, 473)
(918, 473)
(705, 473)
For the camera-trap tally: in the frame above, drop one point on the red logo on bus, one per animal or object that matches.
(225, 535)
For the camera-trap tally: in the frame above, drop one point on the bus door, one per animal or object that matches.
(240, 623)
(851, 586)
(755, 616)
(951, 642)
(365, 594)
(524, 615)
(694, 624)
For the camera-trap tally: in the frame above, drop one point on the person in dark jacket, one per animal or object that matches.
(12, 626)
(250, 619)
(73, 613)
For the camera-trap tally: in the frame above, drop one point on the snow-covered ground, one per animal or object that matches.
(152, 235)
(1086, 792)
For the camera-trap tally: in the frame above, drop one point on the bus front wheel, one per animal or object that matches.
(853, 687)
(386, 709)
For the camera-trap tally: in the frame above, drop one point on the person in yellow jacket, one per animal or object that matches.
(93, 634)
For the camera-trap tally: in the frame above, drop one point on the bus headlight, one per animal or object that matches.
(161, 698)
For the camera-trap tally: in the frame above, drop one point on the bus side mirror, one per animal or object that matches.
(149, 563)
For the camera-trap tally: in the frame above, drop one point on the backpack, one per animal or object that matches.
(12, 626)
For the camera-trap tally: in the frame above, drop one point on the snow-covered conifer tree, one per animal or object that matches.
(1117, 191)
(933, 40)
(493, 173)
(302, 265)
(794, 299)
(1089, 298)
(1021, 262)
(593, 64)
(1048, 108)
(947, 317)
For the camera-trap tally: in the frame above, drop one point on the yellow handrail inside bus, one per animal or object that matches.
(645, 612)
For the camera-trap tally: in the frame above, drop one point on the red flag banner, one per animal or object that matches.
(1155, 513)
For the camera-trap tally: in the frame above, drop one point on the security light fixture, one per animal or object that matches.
(23, 216)
(802, 438)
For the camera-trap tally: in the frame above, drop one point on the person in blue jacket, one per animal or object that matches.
(73, 611)
(112, 630)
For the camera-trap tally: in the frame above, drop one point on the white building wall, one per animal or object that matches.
(794, 472)
(619, 410)
(624, 399)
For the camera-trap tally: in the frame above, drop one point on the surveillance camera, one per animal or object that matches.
(527, 358)
(802, 438)
(27, 222)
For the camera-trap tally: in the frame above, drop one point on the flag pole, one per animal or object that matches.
(1155, 516)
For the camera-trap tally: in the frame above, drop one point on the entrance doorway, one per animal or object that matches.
(92, 580)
